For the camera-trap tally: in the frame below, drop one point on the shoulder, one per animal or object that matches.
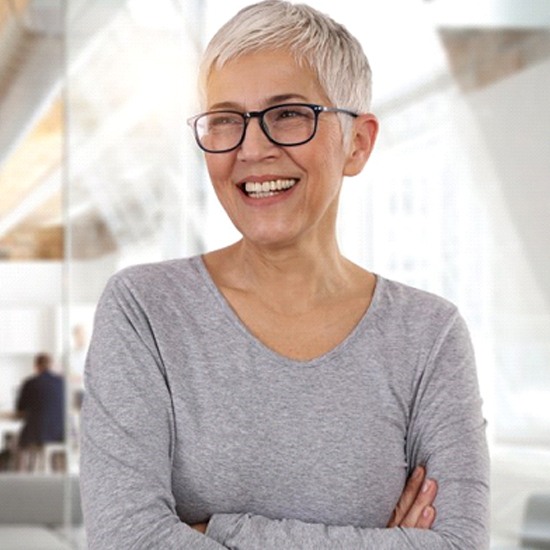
(56, 377)
(157, 273)
(49, 381)
(28, 382)
(405, 301)
(415, 317)
(161, 291)
(145, 282)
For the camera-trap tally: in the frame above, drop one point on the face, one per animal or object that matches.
(310, 174)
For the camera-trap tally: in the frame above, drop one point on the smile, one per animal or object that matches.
(257, 190)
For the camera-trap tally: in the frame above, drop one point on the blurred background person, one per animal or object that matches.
(41, 405)
(77, 359)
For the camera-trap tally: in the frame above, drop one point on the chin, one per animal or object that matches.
(270, 240)
(266, 232)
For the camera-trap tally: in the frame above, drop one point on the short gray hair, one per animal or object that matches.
(317, 41)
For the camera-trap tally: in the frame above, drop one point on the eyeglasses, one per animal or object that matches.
(288, 125)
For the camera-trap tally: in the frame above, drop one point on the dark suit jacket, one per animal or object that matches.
(42, 401)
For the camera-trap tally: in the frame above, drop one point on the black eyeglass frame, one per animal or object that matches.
(247, 116)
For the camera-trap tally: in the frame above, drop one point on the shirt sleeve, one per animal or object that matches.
(446, 433)
(127, 436)
(23, 398)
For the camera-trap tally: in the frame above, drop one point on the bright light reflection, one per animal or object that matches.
(154, 15)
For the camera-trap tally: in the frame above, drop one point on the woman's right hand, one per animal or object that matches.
(415, 507)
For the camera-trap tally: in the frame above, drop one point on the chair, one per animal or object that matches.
(535, 529)
(535, 532)
(25, 537)
(32, 510)
(55, 457)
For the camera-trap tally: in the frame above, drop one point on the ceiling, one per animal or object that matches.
(32, 130)
(116, 193)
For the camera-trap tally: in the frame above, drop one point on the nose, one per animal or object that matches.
(256, 145)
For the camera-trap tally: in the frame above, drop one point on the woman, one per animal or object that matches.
(272, 394)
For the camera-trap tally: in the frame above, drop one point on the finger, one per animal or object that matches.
(425, 498)
(427, 518)
(409, 495)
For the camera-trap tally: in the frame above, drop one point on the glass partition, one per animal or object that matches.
(97, 171)
(37, 488)
(134, 191)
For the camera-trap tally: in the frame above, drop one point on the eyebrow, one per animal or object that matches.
(274, 100)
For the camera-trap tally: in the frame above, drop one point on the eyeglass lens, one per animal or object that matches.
(284, 125)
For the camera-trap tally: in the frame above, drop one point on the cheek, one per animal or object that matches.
(218, 166)
(330, 163)
(331, 145)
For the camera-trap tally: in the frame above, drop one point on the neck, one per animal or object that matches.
(290, 279)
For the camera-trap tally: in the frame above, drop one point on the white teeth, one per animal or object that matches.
(268, 188)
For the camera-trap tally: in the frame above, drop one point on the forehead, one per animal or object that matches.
(253, 80)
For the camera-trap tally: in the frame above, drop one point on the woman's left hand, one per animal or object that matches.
(415, 506)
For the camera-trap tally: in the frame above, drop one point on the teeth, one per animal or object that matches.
(268, 188)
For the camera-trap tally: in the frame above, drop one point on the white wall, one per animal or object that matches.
(33, 313)
(88, 278)
(30, 283)
(30, 293)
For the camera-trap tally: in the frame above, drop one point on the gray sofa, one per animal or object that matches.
(536, 528)
(535, 531)
(34, 511)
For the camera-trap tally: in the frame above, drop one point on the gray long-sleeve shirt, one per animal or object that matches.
(188, 417)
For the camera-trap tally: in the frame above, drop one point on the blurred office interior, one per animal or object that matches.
(98, 170)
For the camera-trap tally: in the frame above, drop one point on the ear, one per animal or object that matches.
(364, 132)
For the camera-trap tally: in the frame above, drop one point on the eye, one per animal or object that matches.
(222, 120)
(292, 112)
(290, 117)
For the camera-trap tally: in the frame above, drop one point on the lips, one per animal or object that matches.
(268, 188)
